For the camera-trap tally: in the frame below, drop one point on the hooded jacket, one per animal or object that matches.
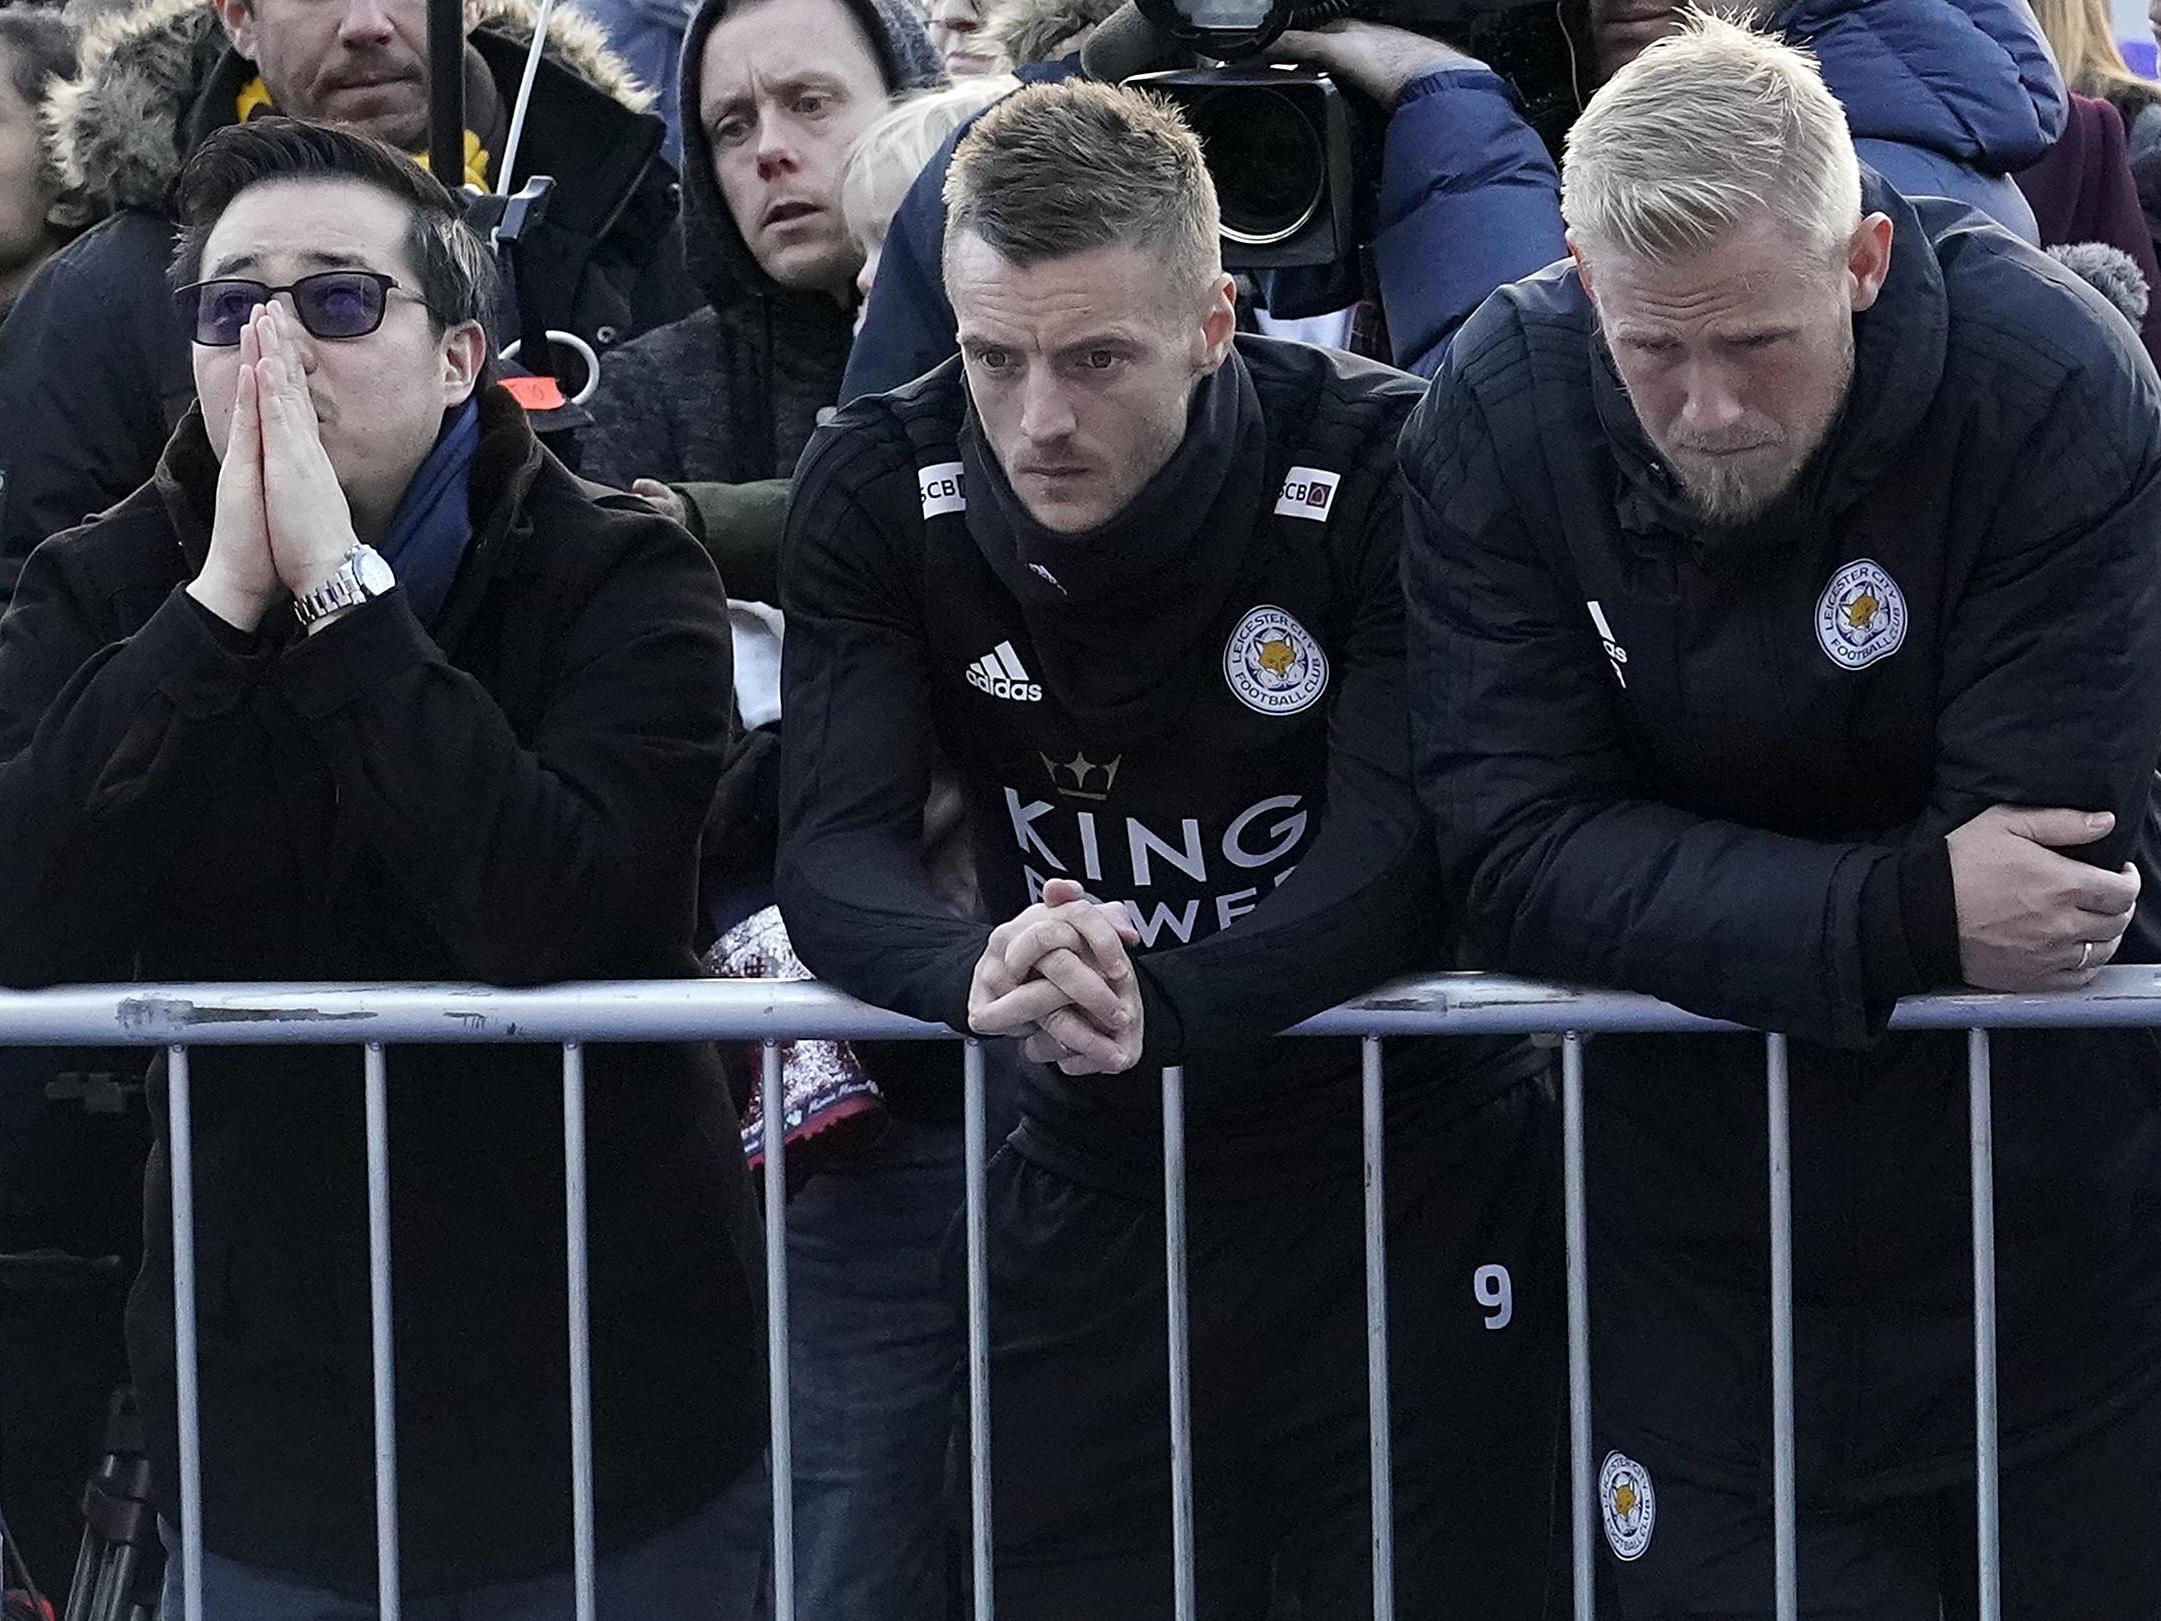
(730, 394)
(514, 796)
(1718, 766)
(94, 370)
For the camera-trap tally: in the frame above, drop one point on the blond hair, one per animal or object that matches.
(1708, 128)
(887, 156)
(1058, 169)
(2083, 36)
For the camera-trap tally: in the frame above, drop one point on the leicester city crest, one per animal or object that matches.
(1861, 616)
(1273, 663)
(1628, 1504)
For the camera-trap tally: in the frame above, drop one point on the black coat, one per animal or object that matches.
(1699, 764)
(517, 799)
(94, 364)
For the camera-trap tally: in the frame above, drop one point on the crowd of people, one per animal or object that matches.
(1705, 541)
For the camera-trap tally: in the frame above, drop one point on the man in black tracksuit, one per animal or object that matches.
(1722, 699)
(1138, 583)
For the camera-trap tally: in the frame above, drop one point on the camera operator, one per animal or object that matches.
(1469, 200)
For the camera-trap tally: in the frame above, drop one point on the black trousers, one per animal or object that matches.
(2080, 1534)
(1079, 1387)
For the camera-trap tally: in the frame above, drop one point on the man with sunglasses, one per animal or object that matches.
(362, 685)
(93, 379)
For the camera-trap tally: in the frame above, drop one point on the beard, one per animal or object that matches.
(1737, 489)
(1730, 485)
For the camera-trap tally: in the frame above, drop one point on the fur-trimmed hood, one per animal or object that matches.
(119, 128)
(1033, 31)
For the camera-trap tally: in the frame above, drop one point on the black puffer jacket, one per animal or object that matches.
(515, 798)
(1718, 767)
(94, 368)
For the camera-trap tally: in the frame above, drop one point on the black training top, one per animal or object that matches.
(1197, 709)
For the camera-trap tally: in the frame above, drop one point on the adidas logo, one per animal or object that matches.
(999, 673)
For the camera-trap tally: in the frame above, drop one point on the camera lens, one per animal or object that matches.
(1201, 15)
(1269, 164)
(1198, 19)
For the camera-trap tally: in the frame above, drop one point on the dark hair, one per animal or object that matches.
(41, 52)
(456, 275)
(1067, 167)
(41, 48)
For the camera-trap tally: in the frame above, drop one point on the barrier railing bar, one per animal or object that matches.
(776, 1309)
(377, 1085)
(581, 1333)
(1982, 1126)
(1582, 1509)
(180, 1136)
(976, 1145)
(1177, 1311)
(1778, 1109)
(2121, 996)
(1377, 1403)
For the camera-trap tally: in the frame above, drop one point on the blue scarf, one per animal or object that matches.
(433, 525)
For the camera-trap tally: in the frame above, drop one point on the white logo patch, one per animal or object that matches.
(1273, 663)
(1861, 616)
(1308, 492)
(1614, 650)
(1000, 674)
(941, 489)
(1629, 1506)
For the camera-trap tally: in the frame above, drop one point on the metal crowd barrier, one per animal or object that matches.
(178, 1017)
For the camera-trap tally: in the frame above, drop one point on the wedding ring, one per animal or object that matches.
(2085, 954)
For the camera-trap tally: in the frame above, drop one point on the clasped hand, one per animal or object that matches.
(2029, 918)
(283, 524)
(1058, 975)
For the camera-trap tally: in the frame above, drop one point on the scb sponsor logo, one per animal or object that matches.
(1027, 692)
(940, 484)
(1308, 492)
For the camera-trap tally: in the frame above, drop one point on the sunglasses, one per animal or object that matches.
(330, 304)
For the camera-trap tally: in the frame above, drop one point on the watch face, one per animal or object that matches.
(372, 572)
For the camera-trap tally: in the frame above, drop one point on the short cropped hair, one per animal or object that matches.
(887, 157)
(1058, 169)
(455, 272)
(1706, 129)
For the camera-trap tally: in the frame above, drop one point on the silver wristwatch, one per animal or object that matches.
(360, 575)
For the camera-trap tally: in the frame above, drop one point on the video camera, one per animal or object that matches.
(1283, 144)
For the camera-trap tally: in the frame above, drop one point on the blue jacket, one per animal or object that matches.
(1469, 200)
(1945, 100)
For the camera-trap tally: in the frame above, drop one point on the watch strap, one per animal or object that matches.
(342, 590)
